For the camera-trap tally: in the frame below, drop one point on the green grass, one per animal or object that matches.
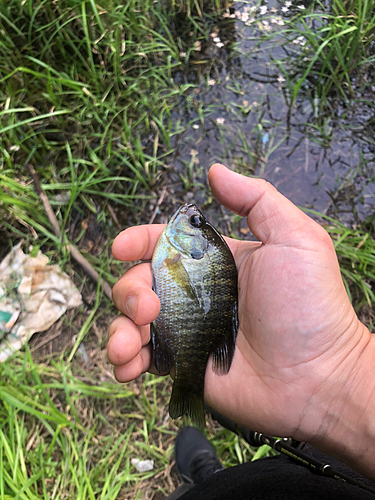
(58, 434)
(355, 249)
(337, 50)
(199, 7)
(67, 436)
(356, 252)
(88, 103)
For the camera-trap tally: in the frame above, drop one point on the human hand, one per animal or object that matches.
(299, 340)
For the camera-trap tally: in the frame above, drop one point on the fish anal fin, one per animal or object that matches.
(163, 358)
(187, 403)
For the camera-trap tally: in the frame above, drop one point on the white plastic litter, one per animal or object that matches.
(142, 465)
(33, 296)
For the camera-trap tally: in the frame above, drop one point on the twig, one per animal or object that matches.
(47, 207)
(113, 215)
(46, 340)
(75, 253)
(159, 202)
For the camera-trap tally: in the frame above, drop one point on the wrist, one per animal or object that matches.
(345, 404)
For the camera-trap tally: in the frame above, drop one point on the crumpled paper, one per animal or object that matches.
(142, 465)
(33, 296)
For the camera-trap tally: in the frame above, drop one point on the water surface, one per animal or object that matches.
(326, 163)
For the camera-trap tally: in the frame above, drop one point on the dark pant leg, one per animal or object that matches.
(279, 478)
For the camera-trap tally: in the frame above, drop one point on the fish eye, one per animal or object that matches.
(196, 220)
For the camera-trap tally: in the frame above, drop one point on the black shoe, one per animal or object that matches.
(195, 456)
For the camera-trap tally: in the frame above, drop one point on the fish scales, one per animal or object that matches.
(195, 277)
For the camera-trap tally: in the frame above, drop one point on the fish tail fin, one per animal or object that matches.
(185, 402)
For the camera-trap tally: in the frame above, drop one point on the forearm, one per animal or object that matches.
(347, 430)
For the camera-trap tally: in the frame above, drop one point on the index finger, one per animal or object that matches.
(137, 243)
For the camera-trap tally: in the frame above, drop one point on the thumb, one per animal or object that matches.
(271, 217)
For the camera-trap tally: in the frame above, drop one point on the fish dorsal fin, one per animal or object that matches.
(181, 276)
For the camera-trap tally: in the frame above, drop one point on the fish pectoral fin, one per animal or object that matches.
(181, 276)
(163, 358)
(223, 354)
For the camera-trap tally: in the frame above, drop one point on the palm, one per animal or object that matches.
(289, 299)
(279, 286)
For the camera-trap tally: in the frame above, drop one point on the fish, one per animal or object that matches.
(195, 277)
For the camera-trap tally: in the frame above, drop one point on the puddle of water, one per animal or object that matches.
(328, 167)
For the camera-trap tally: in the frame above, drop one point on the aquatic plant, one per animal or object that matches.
(199, 6)
(338, 48)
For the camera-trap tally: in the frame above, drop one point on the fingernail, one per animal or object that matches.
(132, 305)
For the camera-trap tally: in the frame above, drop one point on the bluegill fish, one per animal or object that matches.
(195, 278)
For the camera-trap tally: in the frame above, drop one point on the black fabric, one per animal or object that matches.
(280, 478)
(195, 456)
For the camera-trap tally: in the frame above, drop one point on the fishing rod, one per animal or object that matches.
(288, 447)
